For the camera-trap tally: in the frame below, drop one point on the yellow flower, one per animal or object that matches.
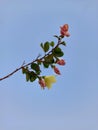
(49, 80)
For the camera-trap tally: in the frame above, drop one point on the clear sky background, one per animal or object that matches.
(72, 103)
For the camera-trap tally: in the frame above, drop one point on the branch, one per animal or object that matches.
(16, 70)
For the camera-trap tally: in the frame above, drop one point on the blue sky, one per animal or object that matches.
(72, 103)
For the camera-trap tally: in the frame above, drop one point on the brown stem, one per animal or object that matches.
(13, 72)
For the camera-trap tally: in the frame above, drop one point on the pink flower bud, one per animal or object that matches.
(42, 83)
(61, 62)
(56, 70)
(64, 30)
(66, 34)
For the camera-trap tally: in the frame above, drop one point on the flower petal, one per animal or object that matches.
(49, 80)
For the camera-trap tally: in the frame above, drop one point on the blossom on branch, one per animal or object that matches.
(51, 57)
(64, 30)
(49, 80)
(56, 70)
(42, 83)
(61, 62)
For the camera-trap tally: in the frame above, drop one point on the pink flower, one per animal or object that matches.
(64, 30)
(42, 83)
(56, 70)
(61, 62)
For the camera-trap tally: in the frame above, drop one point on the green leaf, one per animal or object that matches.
(58, 37)
(49, 59)
(33, 76)
(32, 79)
(27, 76)
(46, 65)
(42, 46)
(38, 72)
(39, 62)
(52, 43)
(35, 67)
(58, 52)
(63, 43)
(24, 70)
(46, 46)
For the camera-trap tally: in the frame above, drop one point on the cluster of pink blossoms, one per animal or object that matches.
(59, 62)
(51, 79)
(64, 30)
(43, 83)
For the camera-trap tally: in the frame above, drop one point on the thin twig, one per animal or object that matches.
(13, 72)
(22, 66)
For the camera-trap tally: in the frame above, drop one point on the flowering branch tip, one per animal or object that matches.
(51, 58)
